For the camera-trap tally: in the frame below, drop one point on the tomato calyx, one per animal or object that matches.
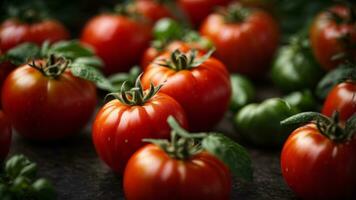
(135, 95)
(182, 61)
(53, 67)
(235, 13)
(182, 144)
(128, 10)
(329, 127)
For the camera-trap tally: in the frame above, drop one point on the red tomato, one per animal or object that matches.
(316, 167)
(119, 128)
(246, 46)
(152, 9)
(198, 10)
(330, 36)
(152, 174)
(5, 69)
(203, 91)
(5, 136)
(119, 40)
(342, 98)
(151, 53)
(14, 32)
(45, 108)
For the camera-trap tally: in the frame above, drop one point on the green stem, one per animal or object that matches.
(236, 13)
(53, 67)
(135, 95)
(329, 127)
(183, 144)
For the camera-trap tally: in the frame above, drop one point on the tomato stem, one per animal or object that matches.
(181, 61)
(183, 144)
(135, 95)
(235, 13)
(53, 67)
(329, 127)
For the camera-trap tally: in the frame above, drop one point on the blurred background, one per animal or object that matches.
(292, 15)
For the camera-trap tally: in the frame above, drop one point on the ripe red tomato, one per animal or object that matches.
(118, 40)
(5, 69)
(14, 32)
(203, 90)
(245, 45)
(42, 107)
(151, 53)
(152, 174)
(119, 128)
(198, 10)
(5, 136)
(333, 32)
(316, 167)
(152, 9)
(342, 98)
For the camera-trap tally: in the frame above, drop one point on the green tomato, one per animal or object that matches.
(167, 29)
(295, 67)
(259, 124)
(301, 100)
(243, 92)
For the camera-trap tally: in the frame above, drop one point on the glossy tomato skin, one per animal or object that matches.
(318, 168)
(203, 91)
(198, 10)
(5, 136)
(43, 108)
(151, 174)
(341, 98)
(118, 129)
(152, 10)
(151, 53)
(247, 47)
(325, 34)
(118, 40)
(14, 32)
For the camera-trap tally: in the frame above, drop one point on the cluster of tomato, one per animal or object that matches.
(51, 94)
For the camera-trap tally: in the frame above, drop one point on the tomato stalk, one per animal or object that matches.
(181, 61)
(53, 67)
(329, 127)
(135, 95)
(235, 13)
(128, 10)
(182, 145)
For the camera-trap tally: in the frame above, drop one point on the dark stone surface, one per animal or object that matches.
(78, 174)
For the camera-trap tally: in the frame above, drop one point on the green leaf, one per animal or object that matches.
(91, 74)
(44, 189)
(306, 117)
(16, 164)
(199, 61)
(231, 153)
(29, 171)
(21, 53)
(89, 61)
(118, 79)
(70, 49)
(350, 126)
(167, 29)
(334, 77)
